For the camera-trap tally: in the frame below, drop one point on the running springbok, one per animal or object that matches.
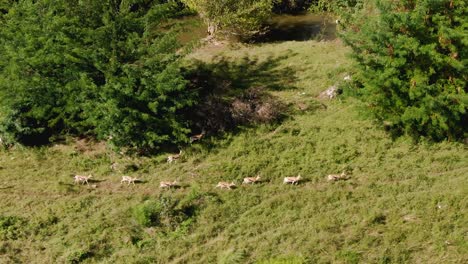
(292, 180)
(197, 137)
(82, 179)
(129, 180)
(252, 180)
(168, 184)
(225, 185)
(337, 177)
(172, 158)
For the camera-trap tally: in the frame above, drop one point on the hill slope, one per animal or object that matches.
(404, 202)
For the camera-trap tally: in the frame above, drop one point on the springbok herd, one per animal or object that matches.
(81, 179)
(222, 185)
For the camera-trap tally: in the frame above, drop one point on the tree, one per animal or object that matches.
(84, 67)
(412, 58)
(242, 18)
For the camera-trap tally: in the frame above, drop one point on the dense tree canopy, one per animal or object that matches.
(412, 58)
(91, 67)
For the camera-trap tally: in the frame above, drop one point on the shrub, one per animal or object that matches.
(106, 69)
(255, 105)
(412, 58)
(241, 18)
(11, 227)
(167, 213)
(148, 213)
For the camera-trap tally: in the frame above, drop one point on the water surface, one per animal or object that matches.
(281, 28)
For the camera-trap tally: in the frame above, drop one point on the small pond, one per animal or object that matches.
(300, 28)
(281, 28)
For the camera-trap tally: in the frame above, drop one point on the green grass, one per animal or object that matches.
(404, 202)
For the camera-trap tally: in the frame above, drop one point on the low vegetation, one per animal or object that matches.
(403, 202)
(142, 151)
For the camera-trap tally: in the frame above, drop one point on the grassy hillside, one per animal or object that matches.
(404, 202)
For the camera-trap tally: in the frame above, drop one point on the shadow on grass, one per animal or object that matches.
(228, 76)
(235, 92)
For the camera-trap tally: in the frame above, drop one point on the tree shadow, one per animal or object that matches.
(236, 92)
(226, 76)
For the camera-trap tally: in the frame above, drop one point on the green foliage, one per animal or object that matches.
(404, 202)
(334, 6)
(291, 6)
(239, 18)
(412, 59)
(172, 215)
(147, 214)
(78, 256)
(102, 68)
(10, 227)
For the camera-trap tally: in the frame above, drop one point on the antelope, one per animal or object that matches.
(292, 180)
(82, 179)
(197, 137)
(114, 166)
(128, 180)
(168, 184)
(251, 180)
(172, 158)
(225, 185)
(337, 177)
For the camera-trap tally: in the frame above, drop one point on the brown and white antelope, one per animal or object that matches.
(292, 180)
(251, 180)
(168, 184)
(129, 180)
(225, 185)
(82, 179)
(337, 177)
(174, 157)
(197, 137)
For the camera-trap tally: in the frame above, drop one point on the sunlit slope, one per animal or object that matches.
(403, 203)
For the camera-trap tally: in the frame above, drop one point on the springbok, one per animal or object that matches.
(197, 137)
(82, 179)
(114, 166)
(292, 180)
(252, 180)
(172, 158)
(129, 180)
(168, 184)
(337, 177)
(225, 185)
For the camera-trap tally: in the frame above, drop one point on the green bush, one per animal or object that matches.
(332, 6)
(148, 213)
(105, 69)
(170, 214)
(412, 59)
(11, 227)
(240, 18)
